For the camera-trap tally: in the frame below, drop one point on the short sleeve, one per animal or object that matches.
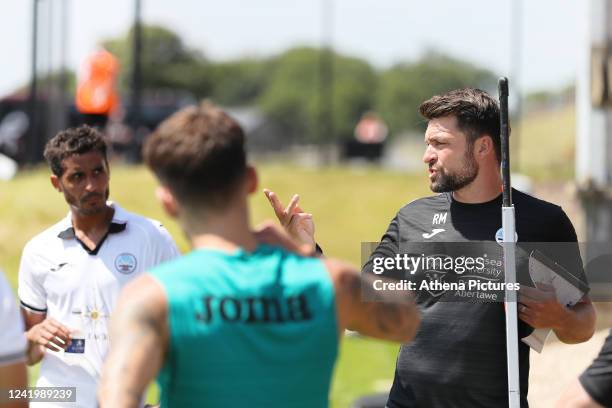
(31, 291)
(597, 378)
(388, 246)
(568, 254)
(166, 248)
(12, 336)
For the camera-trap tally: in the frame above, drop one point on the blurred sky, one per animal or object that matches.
(382, 31)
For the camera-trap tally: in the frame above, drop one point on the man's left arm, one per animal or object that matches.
(139, 338)
(539, 306)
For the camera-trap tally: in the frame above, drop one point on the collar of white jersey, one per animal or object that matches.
(118, 223)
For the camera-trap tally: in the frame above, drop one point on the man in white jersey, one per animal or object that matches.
(71, 274)
(12, 347)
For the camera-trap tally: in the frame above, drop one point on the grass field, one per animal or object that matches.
(350, 205)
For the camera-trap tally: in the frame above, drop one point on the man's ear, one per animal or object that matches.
(252, 180)
(483, 146)
(55, 182)
(167, 200)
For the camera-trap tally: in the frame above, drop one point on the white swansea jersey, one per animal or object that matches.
(78, 287)
(12, 336)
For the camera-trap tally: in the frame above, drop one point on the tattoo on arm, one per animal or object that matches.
(389, 315)
(136, 354)
(384, 314)
(387, 307)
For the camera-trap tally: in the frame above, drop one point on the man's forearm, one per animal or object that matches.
(138, 342)
(133, 361)
(579, 325)
(125, 377)
(35, 352)
(395, 314)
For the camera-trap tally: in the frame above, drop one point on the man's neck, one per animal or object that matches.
(486, 187)
(227, 231)
(92, 223)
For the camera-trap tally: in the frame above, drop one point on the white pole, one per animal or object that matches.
(514, 395)
(509, 228)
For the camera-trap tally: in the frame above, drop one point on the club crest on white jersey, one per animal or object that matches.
(125, 263)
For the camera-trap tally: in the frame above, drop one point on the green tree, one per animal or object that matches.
(354, 89)
(404, 87)
(293, 95)
(290, 99)
(289, 88)
(166, 61)
(239, 82)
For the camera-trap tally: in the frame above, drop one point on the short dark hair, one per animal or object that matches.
(199, 154)
(70, 142)
(476, 112)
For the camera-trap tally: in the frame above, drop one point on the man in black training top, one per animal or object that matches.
(458, 358)
(593, 389)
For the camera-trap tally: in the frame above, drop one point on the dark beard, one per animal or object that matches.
(453, 182)
(79, 205)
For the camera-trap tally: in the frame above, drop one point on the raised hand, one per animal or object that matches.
(298, 224)
(270, 233)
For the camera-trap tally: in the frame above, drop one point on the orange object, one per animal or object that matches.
(96, 92)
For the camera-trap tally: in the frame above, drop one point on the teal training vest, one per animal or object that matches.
(248, 330)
